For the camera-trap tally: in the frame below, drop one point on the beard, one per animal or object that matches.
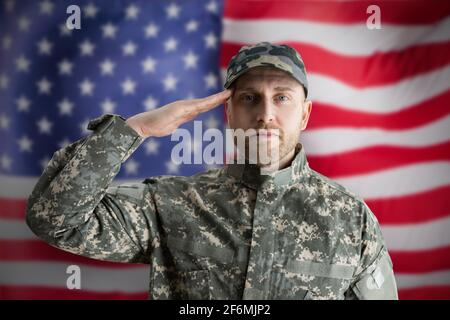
(266, 147)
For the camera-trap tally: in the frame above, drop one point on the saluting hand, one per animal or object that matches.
(165, 120)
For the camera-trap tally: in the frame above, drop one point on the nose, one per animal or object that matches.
(265, 111)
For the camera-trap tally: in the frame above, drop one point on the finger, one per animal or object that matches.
(212, 101)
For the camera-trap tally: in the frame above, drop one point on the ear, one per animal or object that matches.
(306, 112)
(227, 110)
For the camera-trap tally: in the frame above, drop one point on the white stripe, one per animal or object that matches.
(54, 274)
(347, 39)
(20, 188)
(405, 237)
(326, 141)
(12, 229)
(381, 99)
(408, 281)
(136, 280)
(421, 236)
(400, 181)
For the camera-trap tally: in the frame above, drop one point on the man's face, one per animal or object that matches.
(268, 98)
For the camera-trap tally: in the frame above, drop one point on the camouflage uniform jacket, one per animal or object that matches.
(227, 233)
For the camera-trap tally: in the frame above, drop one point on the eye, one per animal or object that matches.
(249, 98)
(283, 98)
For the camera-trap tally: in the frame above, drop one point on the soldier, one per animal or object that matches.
(228, 233)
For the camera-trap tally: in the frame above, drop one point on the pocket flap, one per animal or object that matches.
(321, 269)
(224, 255)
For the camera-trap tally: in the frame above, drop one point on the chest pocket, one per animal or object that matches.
(307, 280)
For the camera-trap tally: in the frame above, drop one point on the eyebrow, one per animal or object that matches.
(277, 89)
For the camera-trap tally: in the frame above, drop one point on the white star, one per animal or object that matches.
(149, 65)
(46, 7)
(65, 67)
(173, 11)
(86, 87)
(4, 81)
(170, 82)
(210, 40)
(64, 143)
(25, 144)
(6, 42)
(24, 23)
(191, 26)
(212, 122)
(5, 162)
(109, 30)
(44, 162)
(172, 167)
(44, 86)
(151, 146)
(129, 49)
(150, 103)
(131, 12)
(4, 122)
(87, 48)
(128, 86)
(212, 7)
(83, 127)
(171, 44)
(151, 30)
(9, 5)
(107, 67)
(211, 80)
(108, 106)
(23, 104)
(131, 167)
(44, 125)
(91, 10)
(190, 60)
(65, 107)
(45, 47)
(22, 64)
(64, 31)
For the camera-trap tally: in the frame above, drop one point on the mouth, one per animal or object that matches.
(266, 134)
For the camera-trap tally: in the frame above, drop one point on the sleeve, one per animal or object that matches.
(72, 208)
(374, 279)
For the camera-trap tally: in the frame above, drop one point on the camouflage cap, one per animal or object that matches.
(266, 54)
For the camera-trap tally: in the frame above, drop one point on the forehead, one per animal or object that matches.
(266, 76)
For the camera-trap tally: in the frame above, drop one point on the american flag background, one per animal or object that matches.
(380, 123)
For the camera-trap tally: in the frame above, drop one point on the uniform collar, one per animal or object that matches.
(250, 174)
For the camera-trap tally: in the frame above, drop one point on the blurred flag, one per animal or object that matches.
(380, 121)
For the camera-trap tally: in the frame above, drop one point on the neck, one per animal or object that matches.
(284, 162)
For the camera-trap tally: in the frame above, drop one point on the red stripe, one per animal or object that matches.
(396, 12)
(362, 71)
(12, 208)
(326, 116)
(52, 293)
(414, 208)
(425, 293)
(26, 250)
(377, 158)
(421, 261)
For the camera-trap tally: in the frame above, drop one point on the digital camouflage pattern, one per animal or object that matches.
(228, 233)
(266, 54)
